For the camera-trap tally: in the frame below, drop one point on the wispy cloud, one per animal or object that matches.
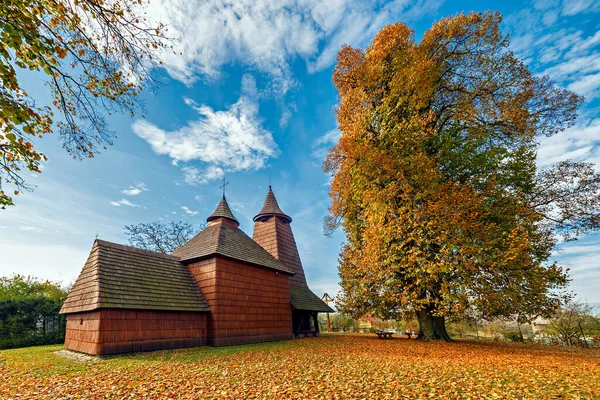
(581, 257)
(194, 176)
(572, 7)
(30, 229)
(322, 145)
(547, 36)
(123, 202)
(188, 211)
(134, 190)
(225, 141)
(565, 52)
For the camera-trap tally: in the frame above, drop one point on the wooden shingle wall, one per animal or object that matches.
(248, 303)
(111, 331)
(83, 332)
(275, 235)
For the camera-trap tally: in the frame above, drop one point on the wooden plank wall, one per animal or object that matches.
(248, 304)
(111, 331)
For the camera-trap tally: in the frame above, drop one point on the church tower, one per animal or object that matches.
(273, 231)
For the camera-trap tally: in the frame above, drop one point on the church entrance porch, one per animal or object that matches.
(304, 323)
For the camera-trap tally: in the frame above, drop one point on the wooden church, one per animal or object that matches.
(220, 288)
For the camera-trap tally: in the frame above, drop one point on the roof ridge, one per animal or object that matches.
(98, 270)
(123, 247)
(220, 236)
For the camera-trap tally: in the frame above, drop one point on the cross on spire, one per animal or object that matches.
(223, 186)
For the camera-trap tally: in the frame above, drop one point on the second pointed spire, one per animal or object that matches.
(223, 211)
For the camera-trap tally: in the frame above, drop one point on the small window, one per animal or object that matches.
(81, 321)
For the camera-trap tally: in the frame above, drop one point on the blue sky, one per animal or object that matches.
(248, 95)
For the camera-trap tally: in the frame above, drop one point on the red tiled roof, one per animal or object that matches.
(117, 276)
(270, 207)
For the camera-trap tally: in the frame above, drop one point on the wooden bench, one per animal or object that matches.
(306, 333)
(384, 335)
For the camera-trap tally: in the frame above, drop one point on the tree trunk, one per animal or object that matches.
(439, 326)
(431, 327)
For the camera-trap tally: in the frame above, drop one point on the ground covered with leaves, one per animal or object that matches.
(336, 366)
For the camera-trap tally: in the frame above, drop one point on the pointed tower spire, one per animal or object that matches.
(272, 230)
(223, 210)
(271, 208)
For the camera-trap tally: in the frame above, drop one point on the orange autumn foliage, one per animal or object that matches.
(337, 366)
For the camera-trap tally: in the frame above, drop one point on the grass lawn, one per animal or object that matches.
(336, 366)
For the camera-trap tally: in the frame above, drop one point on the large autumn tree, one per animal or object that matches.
(435, 180)
(95, 56)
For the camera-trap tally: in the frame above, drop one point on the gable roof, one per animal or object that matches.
(222, 211)
(271, 208)
(304, 299)
(117, 276)
(231, 242)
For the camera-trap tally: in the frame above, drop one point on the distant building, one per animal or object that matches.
(220, 288)
(367, 322)
(538, 326)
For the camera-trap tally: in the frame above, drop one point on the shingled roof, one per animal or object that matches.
(304, 299)
(222, 211)
(271, 207)
(228, 241)
(117, 276)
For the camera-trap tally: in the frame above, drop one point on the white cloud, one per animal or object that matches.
(30, 229)
(572, 7)
(225, 141)
(587, 86)
(136, 189)
(579, 143)
(322, 144)
(545, 4)
(193, 176)
(188, 211)
(123, 202)
(550, 18)
(329, 138)
(581, 257)
(268, 35)
(579, 63)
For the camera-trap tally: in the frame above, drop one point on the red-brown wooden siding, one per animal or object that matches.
(276, 236)
(110, 331)
(248, 303)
